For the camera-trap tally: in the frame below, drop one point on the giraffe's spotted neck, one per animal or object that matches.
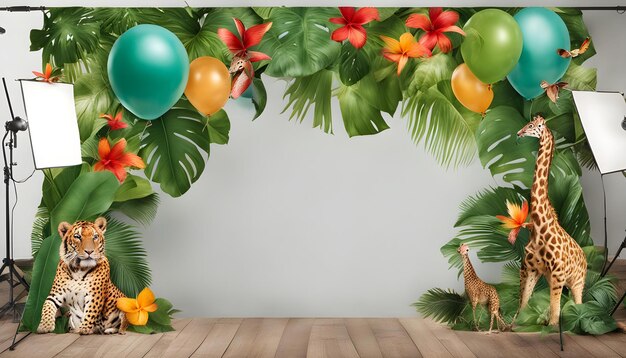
(468, 269)
(539, 190)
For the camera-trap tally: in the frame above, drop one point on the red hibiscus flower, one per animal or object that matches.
(435, 24)
(240, 46)
(116, 159)
(353, 21)
(116, 122)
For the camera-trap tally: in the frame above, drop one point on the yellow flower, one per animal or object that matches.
(137, 309)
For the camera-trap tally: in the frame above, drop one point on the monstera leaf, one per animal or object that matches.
(429, 73)
(299, 41)
(116, 20)
(174, 147)
(89, 196)
(513, 160)
(447, 129)
(92, 96)
(68, 35)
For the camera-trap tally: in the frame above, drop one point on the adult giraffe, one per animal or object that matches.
(551, 251)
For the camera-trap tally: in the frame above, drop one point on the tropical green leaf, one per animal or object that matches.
(314, 90)
(383, 94)
(116, 20)
(600, 290)
(92, 96)
(447, 129)
(353, 64)
(537, 311)
(581, 78)
(513, 160)
(259, 96)
(299, 41)
(441, 305)
(359, 116)
(174, 148)
(589, 317)
(57, 182)
(264, 12)
(141, 210)
(41, 227)
(134, 187)
(386, 12)
(218, 126)
(130, 271)
(68, 35)
(90, 195)
(430, 72)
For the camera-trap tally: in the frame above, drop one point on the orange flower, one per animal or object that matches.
(115, 122)
(47, 75)
(115, 159)
(516, 220)
(137, 309)
(401, 51)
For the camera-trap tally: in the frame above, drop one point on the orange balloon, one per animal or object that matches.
(208, 87)
(470, 91)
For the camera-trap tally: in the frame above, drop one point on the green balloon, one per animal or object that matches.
(492, 45)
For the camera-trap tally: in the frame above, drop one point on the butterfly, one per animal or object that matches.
(576, 52)
(553, 90)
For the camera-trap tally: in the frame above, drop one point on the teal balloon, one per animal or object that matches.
(544, 33)
(148, 68)
(492, 44)
(248, 93)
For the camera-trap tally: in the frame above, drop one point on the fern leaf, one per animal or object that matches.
(441, 305)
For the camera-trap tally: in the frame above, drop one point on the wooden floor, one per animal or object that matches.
(315, 337)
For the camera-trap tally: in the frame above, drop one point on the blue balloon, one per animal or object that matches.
(148, 68)
(544, 32)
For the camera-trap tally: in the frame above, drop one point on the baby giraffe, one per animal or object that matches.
(480, 292)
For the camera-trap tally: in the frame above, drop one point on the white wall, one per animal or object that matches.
(288, 221)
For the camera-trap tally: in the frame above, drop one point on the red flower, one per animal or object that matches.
(435, 24)
(240, 46)
(47, 75)
(516, 219)
(115, 122)
(401, 51)
(115, 159)
(353, 21)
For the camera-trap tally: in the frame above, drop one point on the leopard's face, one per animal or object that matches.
(82, 243)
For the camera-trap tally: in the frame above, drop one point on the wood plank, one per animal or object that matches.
(593, 344)
(190, 338)
(295, 340)
(493, 345)
(219, 338)
(330, 338)
(392, 339)
(616, 341)
(257, 337)
(539, 343)
(449, 339)
(166, 339)
(423, 338)
(42, 345)
(363, 337)
(571, 348)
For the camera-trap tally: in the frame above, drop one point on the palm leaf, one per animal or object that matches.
(447, 129)
(141, 210)
(313, 90)
(600, 289)
(130, 271)
(299, 41)
(581, 78)
(441, 305)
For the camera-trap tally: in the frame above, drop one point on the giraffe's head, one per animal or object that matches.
(463, 249)
(533, 129)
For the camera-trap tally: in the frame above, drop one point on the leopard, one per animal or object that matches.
(82, 283)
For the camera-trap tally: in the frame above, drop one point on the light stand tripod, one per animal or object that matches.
(13, 276)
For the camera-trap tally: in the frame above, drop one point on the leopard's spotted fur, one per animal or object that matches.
(83, 283)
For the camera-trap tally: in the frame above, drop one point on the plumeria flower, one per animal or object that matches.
(435, 24)
(137, 310)
(240, 46)
(401, 51)
(353, 21)
(516, 219)
(116, 122)
(47, 75)
(116, 159)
